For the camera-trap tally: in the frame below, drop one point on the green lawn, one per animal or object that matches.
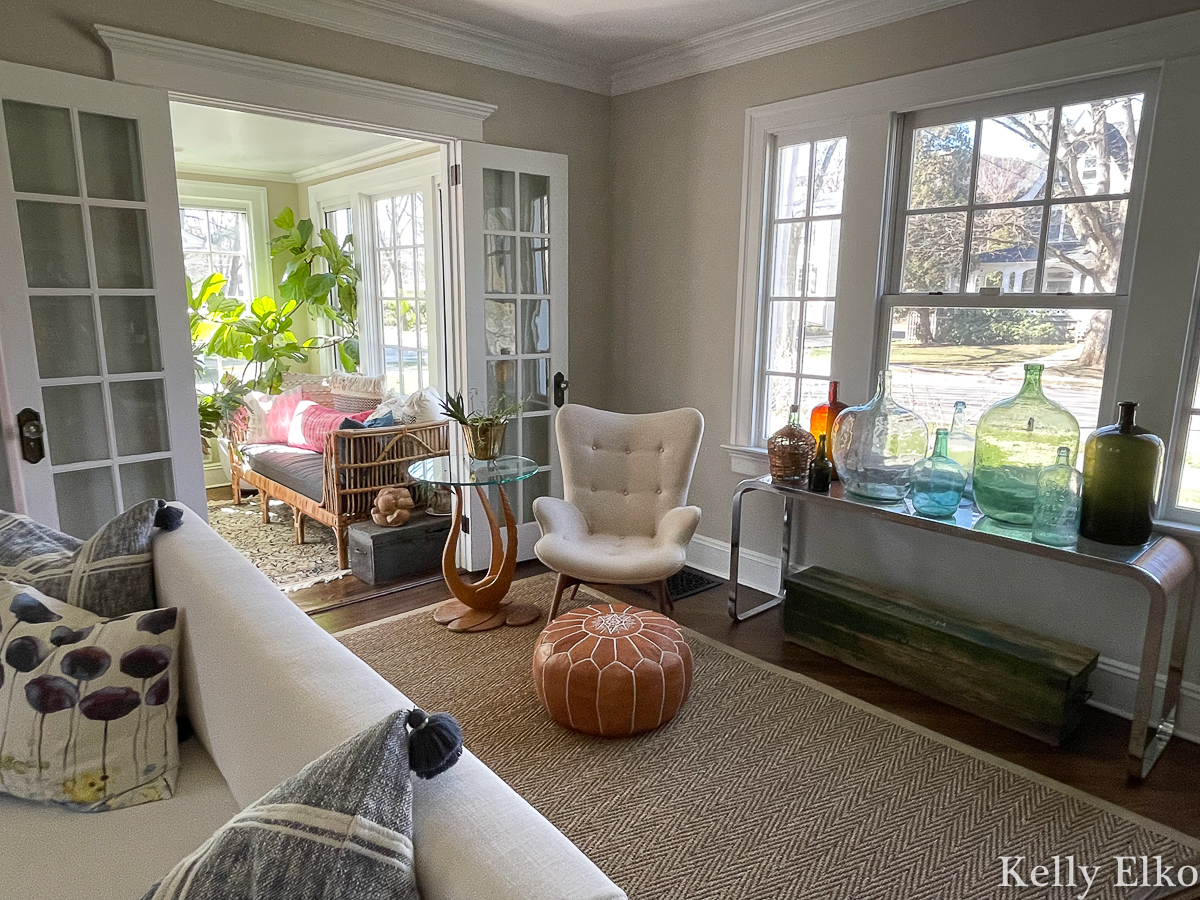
(969, 357)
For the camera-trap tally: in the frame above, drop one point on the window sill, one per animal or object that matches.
(747, 460)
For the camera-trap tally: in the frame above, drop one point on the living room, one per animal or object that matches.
(754, 198)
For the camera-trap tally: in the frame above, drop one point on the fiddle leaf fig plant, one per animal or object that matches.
(261, 334)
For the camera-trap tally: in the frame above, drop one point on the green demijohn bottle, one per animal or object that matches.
(936, 483)
(1056, 509)
(1122, 469)
(1015, 439)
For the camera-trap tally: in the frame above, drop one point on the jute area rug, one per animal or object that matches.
(272, 547)
(766, 785)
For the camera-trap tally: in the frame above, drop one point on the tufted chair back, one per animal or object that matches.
(625, 472)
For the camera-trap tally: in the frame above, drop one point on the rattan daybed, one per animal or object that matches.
(338, 487)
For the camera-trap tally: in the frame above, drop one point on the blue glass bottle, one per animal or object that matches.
(936, 483)
(1059, 499)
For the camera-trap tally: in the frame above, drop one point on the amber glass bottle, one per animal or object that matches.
(823, 415)
(1122, 466)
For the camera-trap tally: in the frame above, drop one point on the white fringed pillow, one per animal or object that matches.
(355, 393)
(424, 405)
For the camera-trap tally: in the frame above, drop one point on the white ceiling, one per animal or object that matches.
(606, 46)
(608, 31)
(209, 139)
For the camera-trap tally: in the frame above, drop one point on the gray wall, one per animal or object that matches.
(677, 162)
(532, 114)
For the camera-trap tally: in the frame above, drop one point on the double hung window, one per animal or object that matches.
(804, 231)
(1011, 222)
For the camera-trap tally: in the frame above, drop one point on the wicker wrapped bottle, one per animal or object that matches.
(790, 450)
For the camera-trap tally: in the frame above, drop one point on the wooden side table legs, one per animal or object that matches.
(480, 606)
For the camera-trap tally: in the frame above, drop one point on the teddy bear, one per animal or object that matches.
(393, 506)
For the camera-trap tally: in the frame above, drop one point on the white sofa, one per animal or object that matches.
(268, 691)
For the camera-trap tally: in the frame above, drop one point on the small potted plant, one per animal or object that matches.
(483, 431)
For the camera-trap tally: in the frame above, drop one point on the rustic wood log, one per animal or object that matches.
(1026, 681)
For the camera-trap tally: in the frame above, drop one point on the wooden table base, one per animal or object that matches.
(482, 606)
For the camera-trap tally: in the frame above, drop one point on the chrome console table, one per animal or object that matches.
(1161, 566)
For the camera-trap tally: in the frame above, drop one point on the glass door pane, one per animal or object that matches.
(95, 364)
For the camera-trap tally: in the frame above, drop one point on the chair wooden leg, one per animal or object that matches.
(265, 504)
(561, 584)
(298, 524)
(235, 482)
(343, 553)
(658, 590)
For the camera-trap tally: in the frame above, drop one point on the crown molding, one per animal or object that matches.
(367, 159)
(381, 20)
(183, 170)
(209, 74)
(809, 23)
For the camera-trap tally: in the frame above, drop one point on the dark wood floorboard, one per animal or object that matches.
(1092, 761)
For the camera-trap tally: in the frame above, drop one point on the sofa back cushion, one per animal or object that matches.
(311, 423)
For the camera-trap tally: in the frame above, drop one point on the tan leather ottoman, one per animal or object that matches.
(612, 670)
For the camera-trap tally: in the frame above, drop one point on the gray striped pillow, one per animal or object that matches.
(109, 574)
(342, 827)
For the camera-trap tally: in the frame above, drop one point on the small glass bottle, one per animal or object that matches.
(1059, 496)
(936, 483)
(790, 450)
(823, 414)
(1122, 469)
(962, 444)
(820, 470)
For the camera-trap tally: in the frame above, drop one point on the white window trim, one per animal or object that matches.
(358, 192)
(247, 198)
(868, 116)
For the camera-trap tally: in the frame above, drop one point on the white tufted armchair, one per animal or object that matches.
(625, 480)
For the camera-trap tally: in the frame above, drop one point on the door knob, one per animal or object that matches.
(29, 424)
(560, 388)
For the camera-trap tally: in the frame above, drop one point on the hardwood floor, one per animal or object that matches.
(1092, 761)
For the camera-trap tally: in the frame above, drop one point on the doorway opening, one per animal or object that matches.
(245, 181)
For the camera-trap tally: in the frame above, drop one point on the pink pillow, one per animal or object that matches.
(271, 415)
(311, 423)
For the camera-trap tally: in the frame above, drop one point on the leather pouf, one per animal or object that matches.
(612, 670)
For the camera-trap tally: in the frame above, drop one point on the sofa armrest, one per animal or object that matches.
(268, 691)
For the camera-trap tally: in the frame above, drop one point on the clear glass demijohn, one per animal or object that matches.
(875, 444)
(1016, 439)
(1059, 497)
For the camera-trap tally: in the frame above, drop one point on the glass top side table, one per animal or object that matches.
(480, 606)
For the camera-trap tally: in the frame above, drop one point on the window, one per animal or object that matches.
(804, 231)
(400, 252)
(1013, 212)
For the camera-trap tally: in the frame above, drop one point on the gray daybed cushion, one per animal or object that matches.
(302, 471)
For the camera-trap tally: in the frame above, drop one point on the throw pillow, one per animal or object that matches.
(355, 393)
(387, 420)
(424, 405)
(88, 714)
(109, 574)
(271, 415)
(311, 423)
(342, 827)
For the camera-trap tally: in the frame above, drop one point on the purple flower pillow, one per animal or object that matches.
(87, 705)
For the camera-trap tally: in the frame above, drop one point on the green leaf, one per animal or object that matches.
(305, 229)
(263, 307)
(286, 219)
(348, 354)
(319, 285)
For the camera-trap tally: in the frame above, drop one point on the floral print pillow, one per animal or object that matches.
(87, 705)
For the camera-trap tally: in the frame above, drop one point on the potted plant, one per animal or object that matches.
(483, 431)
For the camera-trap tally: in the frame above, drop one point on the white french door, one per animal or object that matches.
(509, 311)
(95, 351)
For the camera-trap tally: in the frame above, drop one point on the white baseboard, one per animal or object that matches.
(1113, 684)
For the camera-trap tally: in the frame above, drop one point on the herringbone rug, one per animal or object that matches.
(766, 786)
